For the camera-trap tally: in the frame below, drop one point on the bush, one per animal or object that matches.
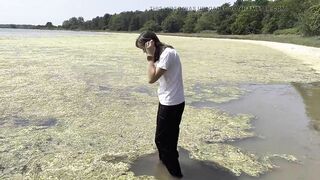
(190, 22)
(269, 24)
(294, 31)
(172, 24)
(205, 22)
(151, 25)
(247, 22)
(311, 21)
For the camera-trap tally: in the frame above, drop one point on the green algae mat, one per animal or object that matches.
(79, 105)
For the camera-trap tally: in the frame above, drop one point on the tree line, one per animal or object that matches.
(47, 26)
(243, 17)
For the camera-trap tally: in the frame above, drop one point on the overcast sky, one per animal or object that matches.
(56, 11)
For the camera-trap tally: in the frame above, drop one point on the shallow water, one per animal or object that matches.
(191, 169)
(286, 121)
(7, 32)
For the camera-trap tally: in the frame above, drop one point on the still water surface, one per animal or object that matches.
(287, 119)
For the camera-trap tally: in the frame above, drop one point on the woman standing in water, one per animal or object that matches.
(164, 65)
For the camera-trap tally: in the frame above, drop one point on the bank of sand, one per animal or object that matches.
(308, 55)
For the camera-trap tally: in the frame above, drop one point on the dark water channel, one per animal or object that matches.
(287, 121)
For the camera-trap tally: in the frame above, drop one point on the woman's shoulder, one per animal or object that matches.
(169, 50)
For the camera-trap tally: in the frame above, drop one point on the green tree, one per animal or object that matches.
(261, 2)
(134, 23)
(311, 21)
(105, 21)
(95, 23)
(73, 23)
(288, 13)
(190, 22)
(151, 25)
(241, 18)
(225, 25)
(49, 25)
(269, 24)
(175, 21)
(118, 23)
(160, 15)
(171, 24)
(205, 22)
(247, 22)
(225, 16)
(13, 26)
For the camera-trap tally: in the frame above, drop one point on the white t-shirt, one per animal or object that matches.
(170, 91)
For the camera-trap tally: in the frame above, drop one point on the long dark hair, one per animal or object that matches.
(149, 35)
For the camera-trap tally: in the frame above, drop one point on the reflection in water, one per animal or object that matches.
(311, 98)
(191, 169)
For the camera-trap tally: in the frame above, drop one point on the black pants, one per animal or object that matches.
(167, 133)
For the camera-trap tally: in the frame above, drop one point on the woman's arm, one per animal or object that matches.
(154, 73)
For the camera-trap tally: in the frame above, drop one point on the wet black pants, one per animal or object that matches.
(167, 134)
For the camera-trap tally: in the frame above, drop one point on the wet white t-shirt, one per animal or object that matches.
(170, 91)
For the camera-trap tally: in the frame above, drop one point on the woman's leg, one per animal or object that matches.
(174, 129)
(159, 128)
(167, 134)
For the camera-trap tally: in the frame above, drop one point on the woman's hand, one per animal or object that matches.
(150, 48)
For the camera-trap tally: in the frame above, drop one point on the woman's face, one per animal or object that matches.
(142, 46)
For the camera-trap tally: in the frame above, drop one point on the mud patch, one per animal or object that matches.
(104, 88)
(144, 90)
(21, 122)
(47, 122)
(114, 158)
(2, 168)
(17, 122)
(192, 169)
(213, 93)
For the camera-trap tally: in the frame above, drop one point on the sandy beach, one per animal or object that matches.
(309, 55)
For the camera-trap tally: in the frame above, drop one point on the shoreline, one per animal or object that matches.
(312, 41)
(308, 55)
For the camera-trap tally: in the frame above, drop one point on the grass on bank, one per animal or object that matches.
(282, 38)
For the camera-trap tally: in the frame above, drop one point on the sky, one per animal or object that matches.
(39, 12)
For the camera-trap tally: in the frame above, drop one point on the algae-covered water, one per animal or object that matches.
(77, 105)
